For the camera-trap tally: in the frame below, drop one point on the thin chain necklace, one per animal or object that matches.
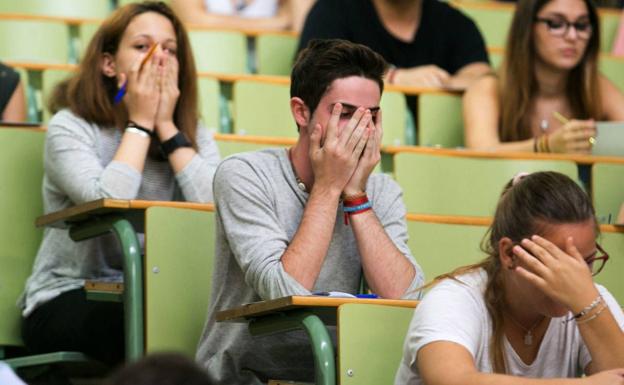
(528, 336)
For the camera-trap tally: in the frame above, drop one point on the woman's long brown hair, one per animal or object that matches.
(518, 84)
(525, 208)
(89, 94)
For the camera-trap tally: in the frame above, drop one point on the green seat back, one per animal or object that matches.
(228, 147)
(209, 102)
(219, 51)
(261, 108)
(275, 53)
(613, 68)
(607, 192)
(34, 41)
(85, 34)
(21, 175)
(440, 121)
(179, 249)
(370, 342)
(609, 23)
(460, 246)
(50, 78)
(456, 185)
(611, 274)
(92, 9)
(496, 58)
(395, 119)
(493, 22)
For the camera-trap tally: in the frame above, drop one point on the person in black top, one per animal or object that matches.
(12, 102)
(428, 43)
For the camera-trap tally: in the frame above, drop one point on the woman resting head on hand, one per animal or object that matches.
(548, 92)
(530, 310)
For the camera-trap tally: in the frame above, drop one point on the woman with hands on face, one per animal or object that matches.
(548, 92)
(102, 143)
(530, 312)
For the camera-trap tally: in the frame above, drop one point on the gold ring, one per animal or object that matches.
(592, 140)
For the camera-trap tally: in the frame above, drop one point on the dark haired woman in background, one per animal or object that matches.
(550, 69)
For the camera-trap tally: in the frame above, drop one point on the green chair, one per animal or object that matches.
(21, 175)
(34, 41)
(209, 102)
(611, 276)
(370, 342)
(49, 80)
(613, 68)
(496, 58)
(493, 22)
(607, 192)
(91, 9)
(179, 249)
(442, 247)
(219, 51)
(457, 185)
(263, 109)
(85, 34)
(275, 53)
(396, 121)
(440, 122)
(609, 23)
(232, 146)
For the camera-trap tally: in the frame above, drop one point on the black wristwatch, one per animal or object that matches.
(173, 143)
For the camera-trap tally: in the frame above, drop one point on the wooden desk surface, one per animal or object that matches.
(242, 313)
(83, 211)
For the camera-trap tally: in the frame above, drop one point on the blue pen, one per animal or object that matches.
(122, 90)
(367, 296)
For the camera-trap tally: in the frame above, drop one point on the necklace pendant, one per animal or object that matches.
(528, 339)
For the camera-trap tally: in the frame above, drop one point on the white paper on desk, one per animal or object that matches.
(333, 294)
(609, 139)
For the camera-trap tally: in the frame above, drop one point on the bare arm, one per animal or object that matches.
(387, 270)
(482, 118)
(612, 100)
(194, 12)
(467, 75)
(15, 110)
(564, 276)
(299, 10)
(447, 363)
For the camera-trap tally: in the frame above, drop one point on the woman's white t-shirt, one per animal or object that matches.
(456, 312)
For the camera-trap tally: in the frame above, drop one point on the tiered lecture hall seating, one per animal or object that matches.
(449, 202)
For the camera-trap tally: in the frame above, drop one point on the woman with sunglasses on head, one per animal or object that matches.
(548, 92)
(127, 127)
(530, 310)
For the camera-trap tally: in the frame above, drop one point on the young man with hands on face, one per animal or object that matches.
(307, 219)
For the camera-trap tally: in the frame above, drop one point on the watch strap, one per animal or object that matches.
(173, 143)
(132, 124)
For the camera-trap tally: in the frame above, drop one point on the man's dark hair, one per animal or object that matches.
(324, 61)
(162, 369)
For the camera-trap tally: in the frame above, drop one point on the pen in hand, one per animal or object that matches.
(122, 90)
(563, 120)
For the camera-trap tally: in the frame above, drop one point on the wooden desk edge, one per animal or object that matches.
(58, 218)
(241, 313)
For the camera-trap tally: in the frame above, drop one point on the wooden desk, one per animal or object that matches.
(124, 218)
(310, 313)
